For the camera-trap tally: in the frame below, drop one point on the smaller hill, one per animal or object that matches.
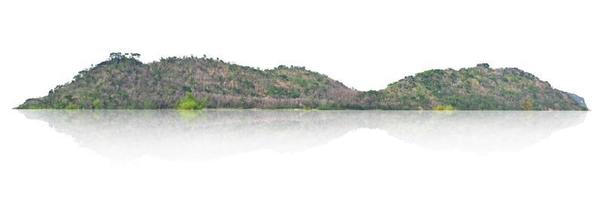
(476, 88)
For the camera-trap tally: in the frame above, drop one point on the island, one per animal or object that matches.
(190, 82)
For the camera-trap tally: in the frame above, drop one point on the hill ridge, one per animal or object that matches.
(123, 82)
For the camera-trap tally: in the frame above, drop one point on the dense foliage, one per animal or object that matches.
(123, 82)
(189, 102)
(477, 88)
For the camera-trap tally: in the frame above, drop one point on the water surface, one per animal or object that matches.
(169, 134)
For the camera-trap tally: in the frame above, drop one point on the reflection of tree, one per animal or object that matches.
(214, 133)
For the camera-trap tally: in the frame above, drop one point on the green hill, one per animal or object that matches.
(477, 88)
(123, 82)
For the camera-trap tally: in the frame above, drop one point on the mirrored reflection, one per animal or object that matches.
(477, 131)
(129, 134)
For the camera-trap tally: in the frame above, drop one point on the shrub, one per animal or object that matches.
(72, 106)
(527, 104)
(444, 108)
(189, 102)
(97, 104)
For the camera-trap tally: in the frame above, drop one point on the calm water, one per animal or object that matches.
(216, 133)
(283, 154)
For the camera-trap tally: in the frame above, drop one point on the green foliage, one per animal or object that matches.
(444, 108)
(189, 102)
(283, 93)
(72, 106)
(122, 82)
(329, 106)
(527, 104)
(148, 105)
(246, 84)
(97, 104)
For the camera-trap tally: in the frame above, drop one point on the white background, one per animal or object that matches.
(364, 44)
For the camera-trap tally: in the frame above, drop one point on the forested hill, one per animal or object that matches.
(477, 88)
(123, 82)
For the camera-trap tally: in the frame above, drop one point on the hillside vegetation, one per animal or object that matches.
(123, 82)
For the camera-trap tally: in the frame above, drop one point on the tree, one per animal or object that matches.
(115, 55)
(485, 65)
(189, 102)
(121, 56)
(135, 55)
(527, 104)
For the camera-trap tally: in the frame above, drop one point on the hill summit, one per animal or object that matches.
(123, 82)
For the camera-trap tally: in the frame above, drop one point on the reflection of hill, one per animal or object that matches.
(480, 131)
(214, 133)
(206, 134)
